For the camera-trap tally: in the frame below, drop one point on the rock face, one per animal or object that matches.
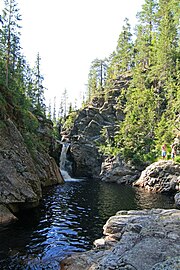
(116, 170)
(6, 216)
(177, 200)
(21, 176)
(143, 240)
(87, 159)
(162, 176)
(85, 136)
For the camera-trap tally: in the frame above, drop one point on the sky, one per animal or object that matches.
(69, 35)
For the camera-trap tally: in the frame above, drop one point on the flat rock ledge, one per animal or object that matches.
(134, 240)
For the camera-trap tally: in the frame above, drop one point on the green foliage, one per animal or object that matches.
(122, 58)
(108, 150)
(31, 141)
(21, 89)
(2, 105)
(177, 159)
(30, 121)
(69, 122)
(151, 103)
(107, 147)
(96, 77)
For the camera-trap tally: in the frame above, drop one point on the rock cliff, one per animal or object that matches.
(22, 174)
(143, 240)
(86, 134)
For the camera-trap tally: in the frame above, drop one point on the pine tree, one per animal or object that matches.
(97, 77)
(10, 38)
(136, 133)
(122, 58)
(165, 69)
(146, 32)
(167, 41)
(38, 88)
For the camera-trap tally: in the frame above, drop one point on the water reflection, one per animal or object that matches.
(69, 219)
(115, 197)
(148, 200)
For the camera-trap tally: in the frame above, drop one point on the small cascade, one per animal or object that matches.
(63, 161)
(65, 148)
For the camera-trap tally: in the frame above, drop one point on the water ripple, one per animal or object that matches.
(69, 219)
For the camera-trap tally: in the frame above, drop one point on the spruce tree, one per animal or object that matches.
(97, 77)
(166, 70)
(122, 58)
(146, 34)
(38, 88)
(136, 132)
(10, 38)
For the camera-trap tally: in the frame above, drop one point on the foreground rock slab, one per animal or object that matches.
(141, 240)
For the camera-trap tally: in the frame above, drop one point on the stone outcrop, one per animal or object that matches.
(6, 215)
(84, 137)
(86, 134)
(115, 170)
(21, 176)
(87, 161)
(143, 240)
(161, 176)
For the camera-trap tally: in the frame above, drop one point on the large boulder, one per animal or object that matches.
(161, 176)
(22, 176)
(143, 240)
(86, 159)
(115, 170)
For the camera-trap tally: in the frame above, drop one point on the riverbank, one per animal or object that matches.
(143, 240)
(69, 218)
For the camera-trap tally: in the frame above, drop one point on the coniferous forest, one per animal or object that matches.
(148, 55)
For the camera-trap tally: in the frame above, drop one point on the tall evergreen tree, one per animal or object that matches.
(38, 88)
(146, 34)
(10, 38)
(97, 77)
(136, 133)
(167, 41)
(122, 58)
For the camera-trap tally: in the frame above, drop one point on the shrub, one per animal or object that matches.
(177, 159)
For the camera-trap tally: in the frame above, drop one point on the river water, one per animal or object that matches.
(70, 217)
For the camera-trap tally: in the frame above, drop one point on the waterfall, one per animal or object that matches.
(65, 147)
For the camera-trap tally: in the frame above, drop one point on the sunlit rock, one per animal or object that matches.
(161, 176)
(22, 174)
(148, 239)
